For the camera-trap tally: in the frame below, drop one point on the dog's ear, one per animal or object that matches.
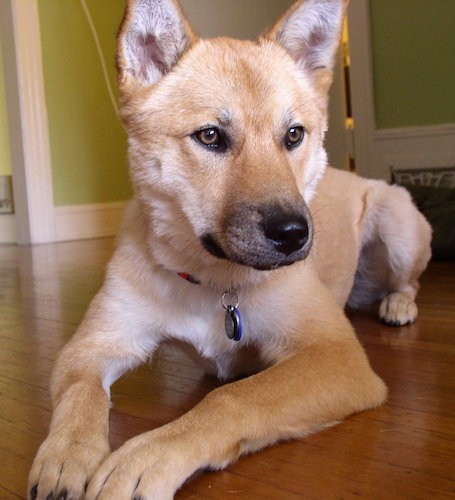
(153, 36)
(310, 31)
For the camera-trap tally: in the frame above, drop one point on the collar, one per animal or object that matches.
(189, 278)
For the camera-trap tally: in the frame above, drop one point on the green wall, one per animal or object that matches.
(5, 159)
(88, 144)
(414, 62)
(244, 19)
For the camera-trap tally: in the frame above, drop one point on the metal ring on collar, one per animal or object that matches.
(230, 299)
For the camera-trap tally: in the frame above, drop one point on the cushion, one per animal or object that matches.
(438, 205)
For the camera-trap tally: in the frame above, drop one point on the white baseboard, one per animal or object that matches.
(413, 147)
(88, 221)
(8, 232)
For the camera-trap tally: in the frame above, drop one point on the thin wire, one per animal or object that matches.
(100, 55)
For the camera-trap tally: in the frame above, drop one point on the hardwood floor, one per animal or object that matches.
(405, 449)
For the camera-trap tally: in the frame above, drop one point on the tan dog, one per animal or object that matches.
(226, 156)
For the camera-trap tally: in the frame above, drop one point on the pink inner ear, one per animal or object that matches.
(317, 37)
(149, 54)
(311, 33)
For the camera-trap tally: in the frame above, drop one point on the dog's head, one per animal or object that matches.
(226, 137)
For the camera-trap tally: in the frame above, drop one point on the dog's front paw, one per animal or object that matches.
(149, 466)
(63, 467)
(398, 309)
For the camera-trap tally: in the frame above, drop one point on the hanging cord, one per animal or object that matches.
(101, 56)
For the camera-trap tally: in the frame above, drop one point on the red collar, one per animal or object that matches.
(189, 278)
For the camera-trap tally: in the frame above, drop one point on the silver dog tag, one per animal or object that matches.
(233, 323)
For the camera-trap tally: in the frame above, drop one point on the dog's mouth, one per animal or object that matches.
(209, 243)
(263, 239)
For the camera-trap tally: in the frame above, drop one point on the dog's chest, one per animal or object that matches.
(194, 315)
(228, 365)
(197, 324)
(202, 337)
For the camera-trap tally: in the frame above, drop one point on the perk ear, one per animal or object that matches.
(310, 31)
(153, 36)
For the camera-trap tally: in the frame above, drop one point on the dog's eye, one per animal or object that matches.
(211, 138)
(294, 136)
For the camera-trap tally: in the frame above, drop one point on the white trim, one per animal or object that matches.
(30, 149)
(413, 147)
(8, 228)
(78, 222)
(361, 83)
(36, 144)
(443, 130)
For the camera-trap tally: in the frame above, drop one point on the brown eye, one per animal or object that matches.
(294, 136)
(211, 138)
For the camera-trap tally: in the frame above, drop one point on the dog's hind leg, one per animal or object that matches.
(406, 235)
(395, 251)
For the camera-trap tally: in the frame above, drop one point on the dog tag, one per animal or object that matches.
(233, 323)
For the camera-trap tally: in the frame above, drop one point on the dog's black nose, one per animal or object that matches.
(288, 234)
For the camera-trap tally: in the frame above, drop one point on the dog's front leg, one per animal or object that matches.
(78, 436)
(76, 444)
(311, 389)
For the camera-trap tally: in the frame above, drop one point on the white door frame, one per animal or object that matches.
(362, 90)
(27, 121)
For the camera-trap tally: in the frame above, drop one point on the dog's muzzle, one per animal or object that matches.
(264, 238)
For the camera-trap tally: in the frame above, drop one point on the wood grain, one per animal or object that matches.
(405, 449)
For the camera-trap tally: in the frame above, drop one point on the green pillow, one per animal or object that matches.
(438, 205)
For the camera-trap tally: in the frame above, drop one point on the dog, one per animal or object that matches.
(241, 245)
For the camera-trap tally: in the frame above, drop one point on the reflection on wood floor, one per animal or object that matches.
(405, 449)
